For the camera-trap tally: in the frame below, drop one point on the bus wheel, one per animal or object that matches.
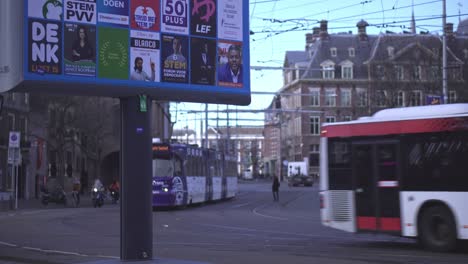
(437, 229)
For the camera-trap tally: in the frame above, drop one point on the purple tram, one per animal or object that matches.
(187, 174)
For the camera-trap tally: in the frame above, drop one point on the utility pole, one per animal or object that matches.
(444, 54)
(206, 126)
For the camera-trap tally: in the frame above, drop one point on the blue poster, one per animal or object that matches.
(113, 12)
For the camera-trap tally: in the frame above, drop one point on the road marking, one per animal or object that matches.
(240, 205)
(255, 211)
(7, 244)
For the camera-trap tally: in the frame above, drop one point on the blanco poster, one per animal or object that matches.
(230, 19)
(45, 9)
(81, 11)
(145, 54)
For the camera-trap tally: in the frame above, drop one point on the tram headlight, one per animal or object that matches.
(165, 189)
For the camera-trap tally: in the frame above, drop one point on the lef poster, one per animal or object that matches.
(230, 19)
(113, 53)
(203, 18)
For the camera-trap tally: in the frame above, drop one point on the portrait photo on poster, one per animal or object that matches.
(174, 56)
(203, 61)
(80, 52)
(230, 64)
(144, 56)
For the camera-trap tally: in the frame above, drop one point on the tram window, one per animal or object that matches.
(177, 167)
(339, 160)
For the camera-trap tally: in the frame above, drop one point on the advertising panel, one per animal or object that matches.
(180, 50)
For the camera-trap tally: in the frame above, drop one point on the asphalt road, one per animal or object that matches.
(248, 229)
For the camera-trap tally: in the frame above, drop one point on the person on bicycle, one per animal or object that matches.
(76, 190)
(114, 189)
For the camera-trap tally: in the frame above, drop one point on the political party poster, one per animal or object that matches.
(230, 68)
(174, 58)
(175, 16)
(113, 53)
(145, 47)
(45, 47)
(202, 61)
(230, 19)
(80, 11)
(203, 18)
(113, 12)
(79, 49)
(145, 15)
(45, 9)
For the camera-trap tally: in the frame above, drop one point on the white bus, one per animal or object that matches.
(402, 171)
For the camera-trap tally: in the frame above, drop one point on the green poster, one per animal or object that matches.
(113, 53)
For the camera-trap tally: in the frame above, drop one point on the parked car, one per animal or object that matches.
(300, 179)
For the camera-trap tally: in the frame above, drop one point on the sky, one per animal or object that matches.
(281, 25)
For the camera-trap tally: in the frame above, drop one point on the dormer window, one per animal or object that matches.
(346, 69)
(328, 69)
(465, 51)
(333, 52)
(351, 52)
(391, 51)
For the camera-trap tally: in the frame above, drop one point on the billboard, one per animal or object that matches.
(176, 50)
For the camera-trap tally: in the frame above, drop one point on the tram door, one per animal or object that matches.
(376, 184)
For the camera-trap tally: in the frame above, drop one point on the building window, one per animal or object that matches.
(314, 155)
(26, 98)
(315, 97)
(452, 97)
(399, 72)
(347, 118)
(454, 74)
(23, 128)
(11, 122)
(361, 97)
(329, 72)
(380, 72)
(345, 97)
(330, 119)
(415, 98)
(391, 51)
(351, 52)
(400, 99)
(330, 97)
(347, 72)
(465, 52)
(315, 125)
(417, 72)
(434, 73)
(381, 98)
(333, 52)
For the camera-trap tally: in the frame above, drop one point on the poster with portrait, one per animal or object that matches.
(45, 9)
(113, 53)
(230, 70)
(203, 18)
(45, 47)
(202, 61)
(80, 11)
(174, 58)
(145, 56)
(145, 15)
(175, 16)
(113, 12)
(230, 19)
(80, 51)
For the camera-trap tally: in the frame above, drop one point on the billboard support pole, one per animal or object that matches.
(136, 222)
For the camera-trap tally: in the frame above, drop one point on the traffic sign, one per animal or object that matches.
(14, 139)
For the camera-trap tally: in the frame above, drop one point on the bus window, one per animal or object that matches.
(163, 167)
(340, 175)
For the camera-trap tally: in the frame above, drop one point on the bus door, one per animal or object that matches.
(376, 169)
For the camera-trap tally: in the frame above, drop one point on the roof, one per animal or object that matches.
(295, 56)
(462, 28)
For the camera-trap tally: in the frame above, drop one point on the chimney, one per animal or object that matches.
(361, 25)
(323, 29)
(449, 30)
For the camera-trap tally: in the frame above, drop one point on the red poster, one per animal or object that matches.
(144, 15)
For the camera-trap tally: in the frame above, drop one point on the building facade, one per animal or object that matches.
(341, 77)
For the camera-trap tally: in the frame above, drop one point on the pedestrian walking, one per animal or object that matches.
(275, 188)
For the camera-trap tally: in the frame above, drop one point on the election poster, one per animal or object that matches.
(45, 47)
(80, 11)
(79, 50)
(45, 9)
(113, 53)
(113, 12)
(230, 69)
(230, 19)
(145, 47)
(203, 18)
(175, 16)
(174, 54)
(202, 61)
(145, 15)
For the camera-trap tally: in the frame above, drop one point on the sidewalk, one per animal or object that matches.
(35, 203)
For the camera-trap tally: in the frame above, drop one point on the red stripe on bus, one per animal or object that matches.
(396, 127)
(386, 223)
